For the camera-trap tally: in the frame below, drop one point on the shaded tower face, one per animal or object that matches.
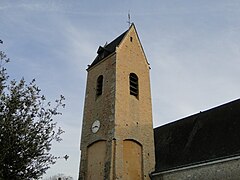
(117, 132)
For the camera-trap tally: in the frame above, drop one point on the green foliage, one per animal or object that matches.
(27, 129)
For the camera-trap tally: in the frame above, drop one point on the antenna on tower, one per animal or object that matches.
(129, 19)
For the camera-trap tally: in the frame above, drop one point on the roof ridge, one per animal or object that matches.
(108, 49)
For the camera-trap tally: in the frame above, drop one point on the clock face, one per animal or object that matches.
(95, 126)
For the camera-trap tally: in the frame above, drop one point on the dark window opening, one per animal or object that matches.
(133, 80)
(131, 39)
(99, 85)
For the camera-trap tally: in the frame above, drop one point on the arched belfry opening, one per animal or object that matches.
(133, 84)
(99, 87)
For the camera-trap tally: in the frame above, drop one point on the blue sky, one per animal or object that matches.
(193, 47)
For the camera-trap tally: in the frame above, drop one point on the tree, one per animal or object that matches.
(27, 129)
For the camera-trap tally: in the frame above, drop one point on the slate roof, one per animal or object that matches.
(210, 135)
(108, 49)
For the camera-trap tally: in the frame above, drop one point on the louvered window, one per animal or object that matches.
(99, 85)
(133, 81)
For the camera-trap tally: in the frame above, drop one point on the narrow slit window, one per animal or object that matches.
(99, 86)
(133, 81)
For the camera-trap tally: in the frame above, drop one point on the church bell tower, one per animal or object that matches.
(117, 131)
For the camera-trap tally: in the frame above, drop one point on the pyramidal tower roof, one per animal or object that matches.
(109, 48)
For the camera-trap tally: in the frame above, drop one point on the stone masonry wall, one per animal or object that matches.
(99, 108)
(227, 170)
(133, 116)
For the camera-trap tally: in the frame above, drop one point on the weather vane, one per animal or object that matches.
(129, 19)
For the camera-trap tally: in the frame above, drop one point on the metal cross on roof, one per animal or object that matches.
(129, 19)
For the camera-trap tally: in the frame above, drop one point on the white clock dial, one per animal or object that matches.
(95, 126)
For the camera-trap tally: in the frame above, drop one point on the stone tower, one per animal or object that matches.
(117, 132)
